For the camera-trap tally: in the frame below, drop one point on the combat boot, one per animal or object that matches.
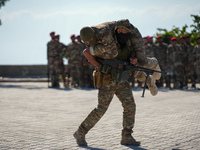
(129, 140)
(80, 138)
(152, 85)
(157, 75)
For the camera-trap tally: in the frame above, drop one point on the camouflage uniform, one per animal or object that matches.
(197, 61)
(150, 50)
(63, 48)
(190, 68)
(161, 55)
(175, 65)
(74, 57)
(185, 61)
(54, 54)
(108, 48)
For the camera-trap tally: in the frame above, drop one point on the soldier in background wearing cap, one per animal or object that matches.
(114, 40)
(190, 69)
(174, 63)
(197, 59)
(54, 55)
(74, 56)
(161, 55)
(151, 47)
(145, 40)
(185, 53)
(62, 48)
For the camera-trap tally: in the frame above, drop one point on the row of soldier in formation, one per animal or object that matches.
(79, 70)
(180, 59)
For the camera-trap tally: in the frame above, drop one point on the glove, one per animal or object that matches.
(104, 68)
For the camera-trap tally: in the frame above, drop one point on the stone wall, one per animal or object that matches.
(23, 71)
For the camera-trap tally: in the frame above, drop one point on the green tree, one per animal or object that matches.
(2, 3)
(195, 28)
(177, 32)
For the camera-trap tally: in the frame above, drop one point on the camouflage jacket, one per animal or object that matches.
(53, 50)
(150, 50)
(185, 54)
(74, 53)
(161, 54)
(191, 54)
(107, 46)
(174, 56)
(197, 54)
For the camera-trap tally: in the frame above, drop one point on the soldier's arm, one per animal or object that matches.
(138, 46)
(90, 58)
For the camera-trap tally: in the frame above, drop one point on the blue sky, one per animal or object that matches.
(26, 24)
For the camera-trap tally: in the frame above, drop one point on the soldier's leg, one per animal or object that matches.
(57, 75)
(81, 76)
(141, 76)
(124, 93)
(105, 96)
(74, 75)
(152, 63)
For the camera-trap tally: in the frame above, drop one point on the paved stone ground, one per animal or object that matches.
(33, 116)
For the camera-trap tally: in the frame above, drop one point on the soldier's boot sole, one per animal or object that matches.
(152, 86)
(80, 139)
(129, 140)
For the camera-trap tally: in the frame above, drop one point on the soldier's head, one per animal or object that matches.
(123, 34)
(145, 40)
(182, 40)
(52, 34)
(57, 37)
(159, 39)
(198, 40)
(78, 37)
(73, 37)
(88, 36)
(150, 39)
(173, 40)
(187, 39)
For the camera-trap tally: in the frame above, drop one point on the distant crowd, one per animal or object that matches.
(180, 59)
(78, 73)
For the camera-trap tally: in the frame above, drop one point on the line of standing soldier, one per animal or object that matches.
(78, 70)
(182, 61)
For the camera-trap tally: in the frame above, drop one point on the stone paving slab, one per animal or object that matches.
(33, 116)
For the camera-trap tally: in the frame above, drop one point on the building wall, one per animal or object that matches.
(23, 71)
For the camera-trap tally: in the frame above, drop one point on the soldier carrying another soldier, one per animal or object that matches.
(117, 40)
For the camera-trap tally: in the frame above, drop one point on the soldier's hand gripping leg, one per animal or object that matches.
(80, 138)
(151, 83)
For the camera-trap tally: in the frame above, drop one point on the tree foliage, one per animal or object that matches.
(177, 32)
(2, 3)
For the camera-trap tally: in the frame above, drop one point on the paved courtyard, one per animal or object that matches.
(33, 116)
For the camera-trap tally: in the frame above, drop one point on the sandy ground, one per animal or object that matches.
(33, 116)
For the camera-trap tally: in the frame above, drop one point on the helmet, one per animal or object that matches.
(87, 33)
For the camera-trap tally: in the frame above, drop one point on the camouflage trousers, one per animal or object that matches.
(76, 72)
(124, 92)
(197, 70)
(54, 67)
